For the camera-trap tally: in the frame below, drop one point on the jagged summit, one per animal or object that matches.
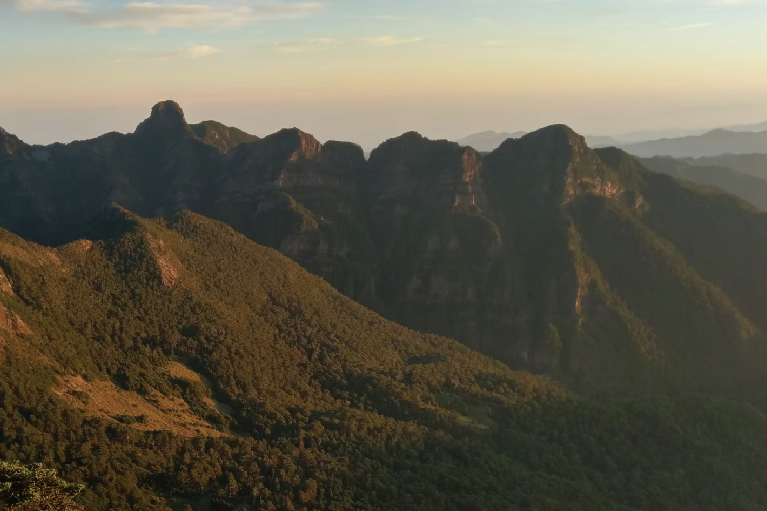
(484, 249)
(412, 144)
(9, 143)
(169, 111)
(554, 135)
(166, 116)
(293, 144)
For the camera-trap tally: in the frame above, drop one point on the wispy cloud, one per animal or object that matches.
(193, 51)
(152, 16)
(196, 51)
(46, 5)
(694, 26)
(326, 43)
(304, 45)
(389, 40)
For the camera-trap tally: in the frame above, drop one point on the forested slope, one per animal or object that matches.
(174, 363)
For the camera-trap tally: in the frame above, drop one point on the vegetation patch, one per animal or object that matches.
(156, 412)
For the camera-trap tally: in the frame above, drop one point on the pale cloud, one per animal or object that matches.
(388, 40)
(47, 5)
(193, 51)
(325, 43)
(305, 45)
(152, 16)
(694, 26)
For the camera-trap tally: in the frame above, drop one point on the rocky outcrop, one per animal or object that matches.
(166, 118)
(167, 262)
(512, 253)
(5, 284)
(10, 145)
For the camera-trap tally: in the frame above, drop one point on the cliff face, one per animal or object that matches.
(438, 250)
(544, 254)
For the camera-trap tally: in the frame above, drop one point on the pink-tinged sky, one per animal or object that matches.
(365, 70)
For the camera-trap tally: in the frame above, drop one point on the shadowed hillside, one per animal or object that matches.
(545, 254)
(174, 363)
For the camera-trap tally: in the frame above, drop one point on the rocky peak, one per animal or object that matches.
(343, 158)
(166, 117)
(293, 144)
(414, 169)
(553, 163)
(9, 144)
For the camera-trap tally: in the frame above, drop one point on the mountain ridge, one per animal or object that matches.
(499, 251)
(712, 143)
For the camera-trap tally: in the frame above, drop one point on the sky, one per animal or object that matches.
(367, 70)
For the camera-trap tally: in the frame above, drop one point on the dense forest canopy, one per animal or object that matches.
(175, 363)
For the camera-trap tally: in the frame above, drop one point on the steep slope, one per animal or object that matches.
(596, 274)
(438, 253)
(513, 254)
(168, 364)
(709, 144)
(745, 186)
(292, 193)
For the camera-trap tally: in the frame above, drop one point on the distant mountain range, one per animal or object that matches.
(762, 126)
(749, 187)
(713, 143)
(739, 139)
(190, 361)
(754, 164)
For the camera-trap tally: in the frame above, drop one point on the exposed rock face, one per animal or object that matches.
(167, 118)
(438, 251)
(545, 254)
(167, 262)
(5, 284)
(10, 145)
(12, 323)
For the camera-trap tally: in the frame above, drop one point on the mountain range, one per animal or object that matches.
(754, 164)
(747, 186)
(544, 254)
(488, 141)
(277, 335)
(709, 144)
(738, 140)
